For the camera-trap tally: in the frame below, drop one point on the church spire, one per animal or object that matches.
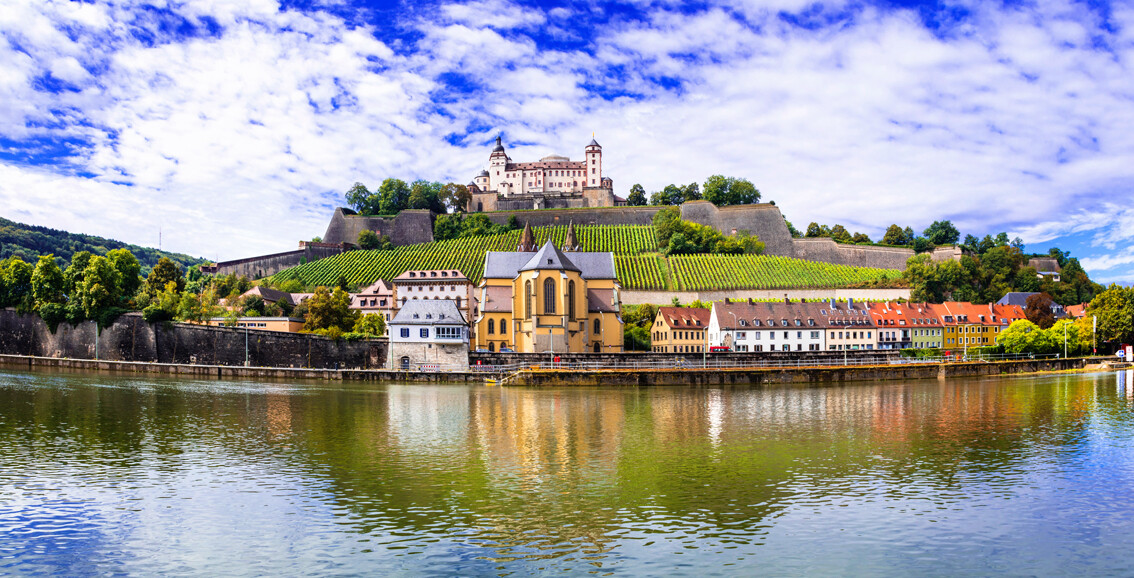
(571, 243)
(527, 240)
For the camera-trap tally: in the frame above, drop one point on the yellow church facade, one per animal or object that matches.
(549, 301)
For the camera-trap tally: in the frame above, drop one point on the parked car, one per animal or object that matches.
(507, 350)
(719, 349)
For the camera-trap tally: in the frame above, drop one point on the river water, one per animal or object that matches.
(142, 475)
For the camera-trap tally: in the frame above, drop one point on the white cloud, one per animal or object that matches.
(1014, 121)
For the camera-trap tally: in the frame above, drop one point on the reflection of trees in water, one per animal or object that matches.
(573, 473)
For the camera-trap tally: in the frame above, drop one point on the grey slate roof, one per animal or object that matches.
(507, 264)
(1015, 298)
(550, 257)
(428, 312)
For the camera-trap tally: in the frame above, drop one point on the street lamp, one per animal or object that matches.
(735, 347)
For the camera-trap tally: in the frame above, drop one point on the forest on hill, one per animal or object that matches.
(28, 242)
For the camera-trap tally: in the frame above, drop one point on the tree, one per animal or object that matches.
(129, 271)
(73, 274)
(691, 192)
(100, 287)
(1114, 309)
(942, 233)
(722, 190)
(393, 196)
(666, 223)
(359, 199)
(371, 324)
(328, 309)
(861, 238)
(425, 195)
(1023, 336)
(47, 282)
(795, 234)
(840, 234)
(16, 284)
(921, 245)
(637, 196)
(367, 239)
(1038, 310)
(164, 273)
(814, 230)
(456, 197)
(1064, 336)
(894, 236)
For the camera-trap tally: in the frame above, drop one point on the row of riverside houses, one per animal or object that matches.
(756, 326)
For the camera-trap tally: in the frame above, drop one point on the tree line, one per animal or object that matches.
(101, 288)
(395, 195)
(678, 237)
(717, 189)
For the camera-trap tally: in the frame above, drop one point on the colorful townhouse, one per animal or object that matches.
(680, 330)
(849, 326)
(768, 326)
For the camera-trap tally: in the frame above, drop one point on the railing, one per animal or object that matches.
(753, 363)
(684, 363)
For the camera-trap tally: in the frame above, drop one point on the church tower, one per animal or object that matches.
(497, 165)
(527, 240)
(571, 243)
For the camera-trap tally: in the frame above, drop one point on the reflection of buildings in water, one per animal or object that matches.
(279, 412)
(427, 419)
(1125, 380)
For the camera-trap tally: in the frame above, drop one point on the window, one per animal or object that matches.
(491, 326)
(528, 299)
(570, 299)
(503, 328)
(449, 332)
(424, 332)
(598, 327)
(549, 296)
(405, 332)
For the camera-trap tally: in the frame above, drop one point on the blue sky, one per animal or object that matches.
(236, 125)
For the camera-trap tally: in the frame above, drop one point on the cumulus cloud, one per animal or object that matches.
(243, 135)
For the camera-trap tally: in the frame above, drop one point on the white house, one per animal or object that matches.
(767, 326)
(428, 335)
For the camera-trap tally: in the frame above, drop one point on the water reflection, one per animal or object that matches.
(156, 476)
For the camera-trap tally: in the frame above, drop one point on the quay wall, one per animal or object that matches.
(787, 376)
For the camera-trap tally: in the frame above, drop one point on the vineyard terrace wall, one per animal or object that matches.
(686, 297)
(268, 265)
(130, 338)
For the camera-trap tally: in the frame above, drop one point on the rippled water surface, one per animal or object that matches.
(128, 475)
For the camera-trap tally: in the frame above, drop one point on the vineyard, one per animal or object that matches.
(637, 264)
(705, 272)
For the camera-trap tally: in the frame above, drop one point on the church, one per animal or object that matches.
(544, 300)
(553, 182)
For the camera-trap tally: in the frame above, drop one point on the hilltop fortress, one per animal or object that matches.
(553, 182)
(558, 191)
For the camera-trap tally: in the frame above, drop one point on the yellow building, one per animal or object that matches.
(288, 324)
(680, 330)
(549, 300)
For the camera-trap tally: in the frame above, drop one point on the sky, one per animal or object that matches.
(232, 128)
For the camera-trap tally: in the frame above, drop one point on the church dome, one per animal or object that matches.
(499, 146)
(554, 158)
(484, 173)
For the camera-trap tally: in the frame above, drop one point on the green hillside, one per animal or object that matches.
(30, 241)
(637, 266)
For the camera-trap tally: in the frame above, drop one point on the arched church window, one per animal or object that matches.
(549, 296)
(570, 299)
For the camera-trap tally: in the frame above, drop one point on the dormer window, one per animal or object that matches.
(743, 323)
(811, 322)
(444, 273)
(822, 311)
(798, 323)
(549, 261)
(756, 322)
(429, 316)
(412, 274)
(416, 316)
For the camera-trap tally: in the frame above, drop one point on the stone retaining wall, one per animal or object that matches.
(130, 338)
(687, 297)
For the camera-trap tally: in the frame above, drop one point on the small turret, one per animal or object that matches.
(527, 240)
(570, 243)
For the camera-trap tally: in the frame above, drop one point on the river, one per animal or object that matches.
(1020, 475)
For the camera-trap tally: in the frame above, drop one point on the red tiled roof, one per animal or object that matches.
(684, 317)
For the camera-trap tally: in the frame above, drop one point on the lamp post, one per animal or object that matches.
(735, 347)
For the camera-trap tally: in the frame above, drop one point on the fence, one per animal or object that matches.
(753, 362)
